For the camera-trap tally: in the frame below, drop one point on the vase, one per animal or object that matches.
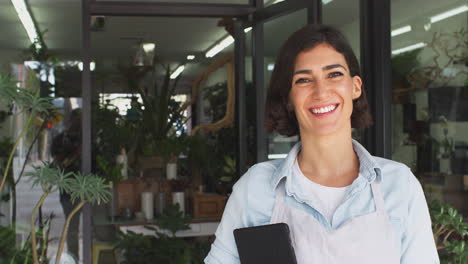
(444, 164)
(160, 203)
(147, 205)
(113, 203)
(179, 198)
(171, 171)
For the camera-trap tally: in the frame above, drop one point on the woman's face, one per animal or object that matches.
(322, 91)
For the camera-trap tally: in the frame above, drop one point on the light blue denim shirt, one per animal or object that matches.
(251, 204)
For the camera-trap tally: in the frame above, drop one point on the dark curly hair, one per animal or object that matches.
(281, 118)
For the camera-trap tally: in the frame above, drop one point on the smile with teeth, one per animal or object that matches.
(323, 110)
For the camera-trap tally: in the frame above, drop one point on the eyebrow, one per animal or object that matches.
(325, 68)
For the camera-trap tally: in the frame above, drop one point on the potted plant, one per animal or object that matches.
(82, 189)
(158, 139)
(450, 233)
(163, 246)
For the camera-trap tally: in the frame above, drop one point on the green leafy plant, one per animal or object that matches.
(9, 252)
(162, 116)
(50, 180)
(25, 100)
(450, 233)
(109, 173)
(161, 247)
(82, 189)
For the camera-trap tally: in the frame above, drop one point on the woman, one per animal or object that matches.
(342, 205)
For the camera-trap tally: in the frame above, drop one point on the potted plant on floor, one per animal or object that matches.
(450, 233)
(82, 189)
(163, 246)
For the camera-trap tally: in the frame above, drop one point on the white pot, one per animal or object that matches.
(179, 198)
(147, 205)
(171, 171)
(445, 167)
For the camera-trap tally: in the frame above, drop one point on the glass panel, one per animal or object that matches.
(155, 151)
(430, 97)
(332, 12)
(275, 33)
(45, 129)
(349, 25)
(251, 100)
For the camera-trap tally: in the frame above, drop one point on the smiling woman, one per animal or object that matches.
(342, 205)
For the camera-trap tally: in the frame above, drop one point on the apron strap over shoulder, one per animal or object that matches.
(378, 199)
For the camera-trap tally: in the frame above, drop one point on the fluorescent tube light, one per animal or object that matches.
(246, 30)
(92, 66)
(26, 20)
(219, 47)
(409, 48)
(148, 47)
(324, 2)
(401, 30)
(177, 72)
(449, 13)
(277, 156)
(190, 57)
(270, 66)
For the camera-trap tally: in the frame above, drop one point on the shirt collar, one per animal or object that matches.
(368, 168)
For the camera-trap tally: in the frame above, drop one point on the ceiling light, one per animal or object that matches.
(270, 66)
(26, 20)
(326, 1)
(409, 48)
(177, 72)
(277, 156)
(92, 66)
(401, 30)
(246, 30)
(148, 47)
(449, 13)
(219, 47)
(190, 57)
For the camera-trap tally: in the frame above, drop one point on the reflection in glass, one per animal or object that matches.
(429, 107)
(276, 32)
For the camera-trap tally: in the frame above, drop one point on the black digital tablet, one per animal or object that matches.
(266, 244)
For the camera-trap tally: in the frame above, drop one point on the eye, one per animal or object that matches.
(335, 74)
(302, 80)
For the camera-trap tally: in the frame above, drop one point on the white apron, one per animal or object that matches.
(367, 239)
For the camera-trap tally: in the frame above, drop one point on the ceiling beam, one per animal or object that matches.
(114, 8)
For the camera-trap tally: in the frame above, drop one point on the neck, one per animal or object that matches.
(329, 160)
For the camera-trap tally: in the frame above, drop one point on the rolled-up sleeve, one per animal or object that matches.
(418, 244)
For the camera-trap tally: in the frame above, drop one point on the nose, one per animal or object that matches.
(320, 90)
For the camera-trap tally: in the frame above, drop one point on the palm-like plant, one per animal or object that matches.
(26, 101)
(83, 189)
(88, 188)
(51, 180)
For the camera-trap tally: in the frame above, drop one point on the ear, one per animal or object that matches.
(357, 84)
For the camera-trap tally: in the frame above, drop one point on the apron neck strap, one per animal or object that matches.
(378, 199)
